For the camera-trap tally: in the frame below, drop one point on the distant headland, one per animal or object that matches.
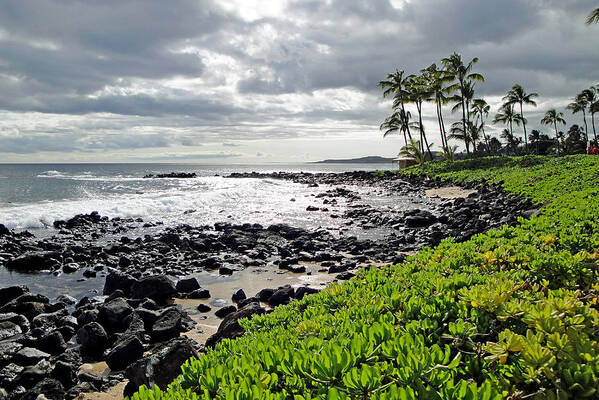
(361, 160)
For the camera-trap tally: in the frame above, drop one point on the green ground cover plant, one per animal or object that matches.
(511, 314)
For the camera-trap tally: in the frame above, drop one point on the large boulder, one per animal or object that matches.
(170, 323)
(420, 219)
(161, 367)
(35, 261)
(230, 328)
(9, 329)
(10, 293)
(112, 314)
(93, 339)
(116, 280)
(50, 389)
(7, 351)
(282, 295)
(29, 356)
(52, 343)
(158, 288)
(286, 231)
(4, 230)
(187, 285)
(125, 353)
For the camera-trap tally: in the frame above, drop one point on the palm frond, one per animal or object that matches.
(593, 17)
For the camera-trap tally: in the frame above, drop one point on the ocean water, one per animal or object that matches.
(33, 196)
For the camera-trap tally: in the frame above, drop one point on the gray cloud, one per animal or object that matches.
(106, 73)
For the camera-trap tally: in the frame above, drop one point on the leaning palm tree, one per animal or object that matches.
(579, 104)
(398, 122)
(461, 73)
(517, 95)
(395, 86)
(593, 17)
(414, 151)
(480, 110)
(553, 117)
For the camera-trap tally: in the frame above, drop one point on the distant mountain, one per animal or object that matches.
(361, 160)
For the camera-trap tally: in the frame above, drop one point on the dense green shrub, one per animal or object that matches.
(509, 314)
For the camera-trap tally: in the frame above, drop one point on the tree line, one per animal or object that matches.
(453, 84)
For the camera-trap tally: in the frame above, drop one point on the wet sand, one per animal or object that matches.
(449, 192)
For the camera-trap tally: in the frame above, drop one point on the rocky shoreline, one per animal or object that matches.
(134, 326)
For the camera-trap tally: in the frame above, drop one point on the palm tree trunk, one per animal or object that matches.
(512, 122)
(593, 121)
(485, 138)
(440, 126)
(586, 128)
(557, 138)
(524, 126)
(423, 140)
(468, 114)
(443, 125)
(464, 117)
(403, 108)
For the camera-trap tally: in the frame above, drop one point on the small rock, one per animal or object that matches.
(203, 308)
(238, 296)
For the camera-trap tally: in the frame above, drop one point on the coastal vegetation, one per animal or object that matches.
(512, 313)
(454, 84)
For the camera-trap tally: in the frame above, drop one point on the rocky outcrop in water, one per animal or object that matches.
(183, 175)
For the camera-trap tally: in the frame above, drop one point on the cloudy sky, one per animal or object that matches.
(251, 81)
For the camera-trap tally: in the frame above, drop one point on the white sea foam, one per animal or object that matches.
(212, 198)
(87, 176)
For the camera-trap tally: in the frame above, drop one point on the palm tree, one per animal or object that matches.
(399, 121)
(592, 95)
(593, 17)
(455, 68)
(457, 132)
(449, 153)
(535, 138)
(506, 115)
(494, 145)
(553, 117)
(512, 142)
(480, 110)
(436, 79)
(419, 92)
(517, 95)
(466, 97)
(396, 85)
(471, 136)
(579, 104)
(414, 151)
